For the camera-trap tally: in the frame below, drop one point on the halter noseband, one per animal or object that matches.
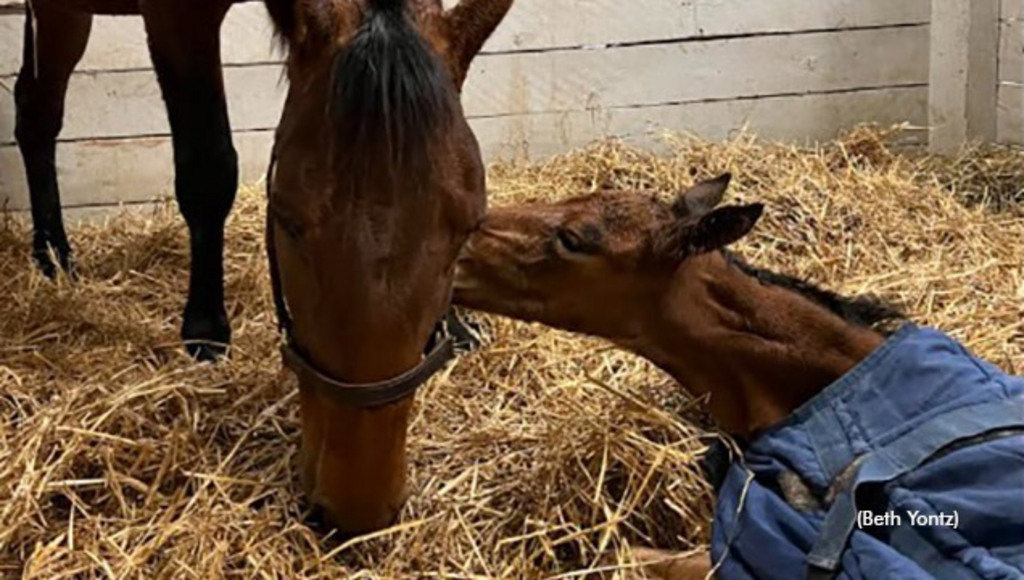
(440, 348)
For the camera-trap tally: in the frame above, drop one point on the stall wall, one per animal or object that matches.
(1010, 121)
(557, 74)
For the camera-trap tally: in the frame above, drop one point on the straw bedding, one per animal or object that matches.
(542, 454)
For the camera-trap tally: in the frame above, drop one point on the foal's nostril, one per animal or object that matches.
(466, 252)
(462, 280)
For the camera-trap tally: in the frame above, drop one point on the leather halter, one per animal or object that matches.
(440, 348)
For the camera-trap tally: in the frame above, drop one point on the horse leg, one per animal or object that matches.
(184, 44)
(54, 41)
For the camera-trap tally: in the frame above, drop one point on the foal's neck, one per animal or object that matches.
(758, 351)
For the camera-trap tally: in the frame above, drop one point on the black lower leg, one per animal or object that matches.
(53, 42)
(184, 45)
(206, 186)
(50, 247)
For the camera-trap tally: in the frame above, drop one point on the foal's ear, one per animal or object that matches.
(703, 197)
(713, 231)
(470, 24)
(722, 227)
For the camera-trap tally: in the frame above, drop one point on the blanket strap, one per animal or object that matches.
(899, 457)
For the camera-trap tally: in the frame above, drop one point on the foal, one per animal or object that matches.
(376, 183)
(653, 278)
(678, 300)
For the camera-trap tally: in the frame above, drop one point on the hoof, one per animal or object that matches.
(206, 337)
(206, 351)
(465, 331)
(53, 258)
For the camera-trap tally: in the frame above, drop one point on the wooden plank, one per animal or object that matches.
(119, 42)
(545, 24)
(1012, 10)
(1011, 114)
(135, 170)
(963, 71)
(718, 69)
(1011, 51)
(126, 104)
(131, 170)
(797, 119)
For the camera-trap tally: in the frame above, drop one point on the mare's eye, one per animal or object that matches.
(571, 242)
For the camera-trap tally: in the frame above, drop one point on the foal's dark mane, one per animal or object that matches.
(867, 311)
(392, 94)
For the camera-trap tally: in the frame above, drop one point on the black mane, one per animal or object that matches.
(865, 310)
(392, 94)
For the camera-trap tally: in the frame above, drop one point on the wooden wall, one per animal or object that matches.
(1011, 73)
(115, 145)
(557, 74)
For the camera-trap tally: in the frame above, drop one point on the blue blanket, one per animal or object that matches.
(917, 459)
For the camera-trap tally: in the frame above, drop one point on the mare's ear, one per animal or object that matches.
(721, 227)
(470, 24)
(702, 198)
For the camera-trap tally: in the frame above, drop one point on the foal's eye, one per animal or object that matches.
(571, 242)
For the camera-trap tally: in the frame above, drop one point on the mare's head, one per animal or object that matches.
(600, 264)
(377, 183)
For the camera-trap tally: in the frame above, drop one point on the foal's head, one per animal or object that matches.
(378, 182)
(599, 264)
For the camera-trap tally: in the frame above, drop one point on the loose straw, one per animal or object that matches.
(543, 454)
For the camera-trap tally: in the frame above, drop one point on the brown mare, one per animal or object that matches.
(376, 183)
(757, 344)
(184, 45)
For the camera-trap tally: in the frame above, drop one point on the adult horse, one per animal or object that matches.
(184, 45)
(375, 184)
(839, 417)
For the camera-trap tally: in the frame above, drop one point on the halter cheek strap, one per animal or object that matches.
(440, 349)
